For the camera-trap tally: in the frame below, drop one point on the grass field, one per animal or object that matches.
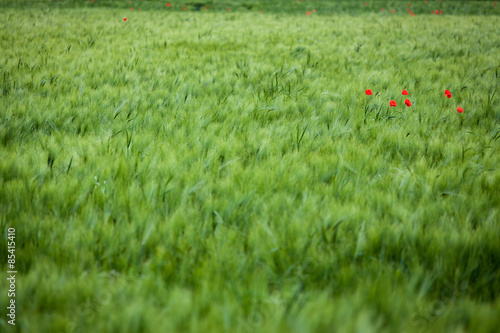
(225, 171)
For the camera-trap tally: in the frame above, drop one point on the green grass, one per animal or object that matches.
(225, 172)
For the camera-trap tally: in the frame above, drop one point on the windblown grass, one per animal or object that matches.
(215, 171)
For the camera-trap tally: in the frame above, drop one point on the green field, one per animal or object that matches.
(224, 171)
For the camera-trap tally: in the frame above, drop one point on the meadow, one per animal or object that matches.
(214, 170)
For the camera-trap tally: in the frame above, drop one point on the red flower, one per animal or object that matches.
(392, 103)
(460, 110)
(436, 11)
(132, 8)
(368, 92)
(314, 10)
(412, 13)
(184, 8)
(407, 102)
(228, 9)
(168, 4)
(308, 13)
(404, 92)
(382, 10)
(124, 18)
(447, 93)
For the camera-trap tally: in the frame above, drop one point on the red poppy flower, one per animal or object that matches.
(382, 10)
(392, 103)
(447, 93)
(368, 92)
(412, 13)
(261, 11)
(404, 92)
(407, 102)
(124, 18)
(168, 4)
(184, 8)
(460, 110)
(308, 13)
(436, 11)
(314, 10)
(132, 8)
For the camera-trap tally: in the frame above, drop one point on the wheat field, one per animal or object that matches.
(225, 170)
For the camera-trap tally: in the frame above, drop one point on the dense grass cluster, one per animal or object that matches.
(225, 171)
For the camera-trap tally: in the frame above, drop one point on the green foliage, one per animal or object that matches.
(478, 7)
(214, 171)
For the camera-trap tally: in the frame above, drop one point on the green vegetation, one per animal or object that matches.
(223, 171)
(353, 7)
